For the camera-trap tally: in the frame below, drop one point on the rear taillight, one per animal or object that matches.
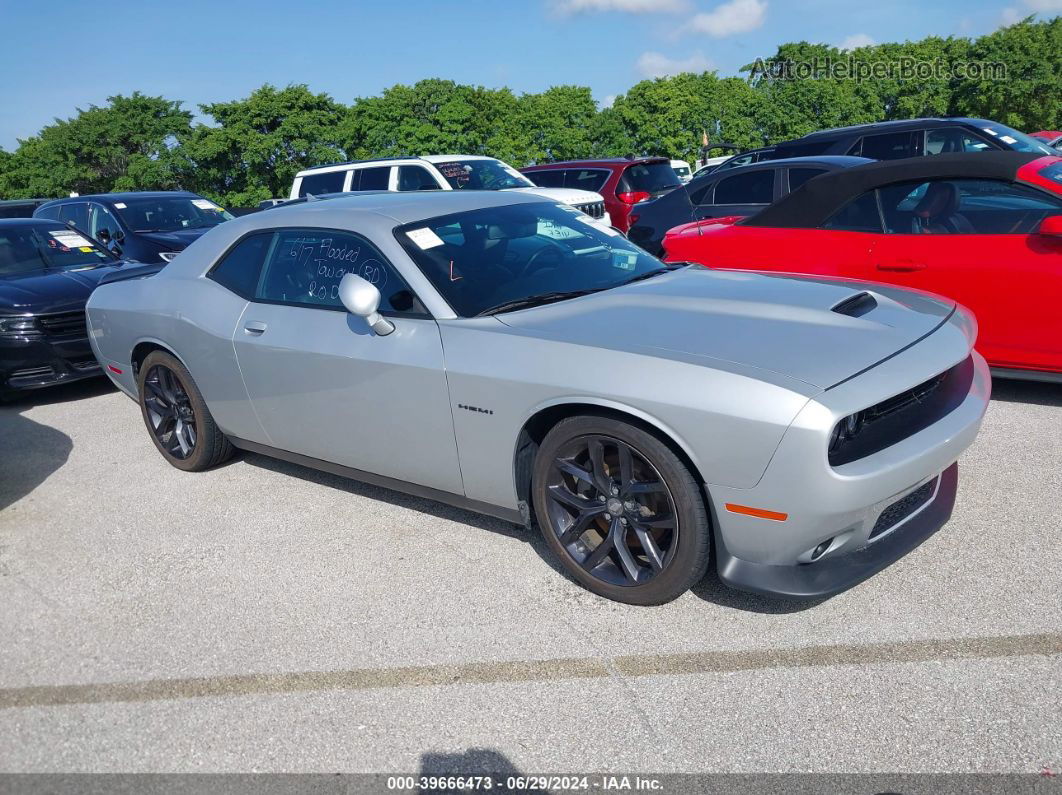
(633, 196)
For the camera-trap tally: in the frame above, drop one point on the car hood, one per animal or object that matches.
(572, 196)
(782, 324)
(50, 291)
(174, 241)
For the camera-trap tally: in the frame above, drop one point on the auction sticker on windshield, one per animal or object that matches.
(67, 238)
(424, 237)
(203, 204)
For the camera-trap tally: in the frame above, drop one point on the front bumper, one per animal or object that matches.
(27, 363)
(843, 523)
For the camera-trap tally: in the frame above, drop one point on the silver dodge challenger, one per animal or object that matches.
(501, 353)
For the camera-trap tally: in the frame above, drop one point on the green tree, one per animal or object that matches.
(259, 143)
(127, 144)
(1030, 97)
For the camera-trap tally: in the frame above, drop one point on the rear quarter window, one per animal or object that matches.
(326, 182)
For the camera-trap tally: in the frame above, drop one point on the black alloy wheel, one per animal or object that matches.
(620, 509)
(170, 414)
(611, 510)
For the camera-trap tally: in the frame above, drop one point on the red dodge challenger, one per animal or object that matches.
(984, 229)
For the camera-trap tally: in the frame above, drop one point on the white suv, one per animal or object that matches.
(437, 172)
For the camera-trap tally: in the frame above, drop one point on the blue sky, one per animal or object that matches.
(69, 54)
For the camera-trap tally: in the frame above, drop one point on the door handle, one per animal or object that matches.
(254, 327)
(901, 266)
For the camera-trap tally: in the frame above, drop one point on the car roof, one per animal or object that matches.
(129, 195)
(29, 221)
(392, 159)
(884, 126)
(602, 162)
(818, 199)
(400, 207)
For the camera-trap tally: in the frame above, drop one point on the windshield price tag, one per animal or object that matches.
(425, 238)
(67, 238)
(203, 204)
(119, 205)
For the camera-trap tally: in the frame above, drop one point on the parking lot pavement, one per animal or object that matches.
(266, 617)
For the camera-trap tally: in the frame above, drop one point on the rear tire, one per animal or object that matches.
(177, 417)
(620, 511)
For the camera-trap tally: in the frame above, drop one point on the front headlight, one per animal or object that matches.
(167, 256)
(19, 326)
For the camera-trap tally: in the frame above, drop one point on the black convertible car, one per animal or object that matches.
(47, 271)
(727, 192)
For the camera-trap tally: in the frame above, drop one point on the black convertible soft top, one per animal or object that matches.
(814, 202)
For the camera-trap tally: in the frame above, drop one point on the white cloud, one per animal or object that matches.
(855, 41)
(1010, 16)
(736, 16)
(566, 7)
(656, 64)
(608, 101)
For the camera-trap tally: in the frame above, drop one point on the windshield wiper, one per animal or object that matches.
(536, 300)
(646, 275)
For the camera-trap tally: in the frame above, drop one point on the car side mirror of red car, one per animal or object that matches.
(1051, 225)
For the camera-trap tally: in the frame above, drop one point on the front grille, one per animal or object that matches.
(903, 415)
(64, 324)
(903, 508)
(593, 209)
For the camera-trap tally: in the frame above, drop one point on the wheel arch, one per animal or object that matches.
(145, 348)
(545, 416)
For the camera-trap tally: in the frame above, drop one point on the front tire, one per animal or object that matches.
(177, 417)
(620, 511)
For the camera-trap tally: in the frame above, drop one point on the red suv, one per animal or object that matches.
(622, 181)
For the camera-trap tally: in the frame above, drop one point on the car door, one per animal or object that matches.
(741, 193)
(986, 254)
(324, 385)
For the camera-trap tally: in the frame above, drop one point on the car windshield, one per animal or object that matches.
(30, 248)
(483, 174)
(170, 213)
(1018, 141)
(483, 260)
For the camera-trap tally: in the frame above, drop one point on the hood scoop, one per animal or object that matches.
(856, 305)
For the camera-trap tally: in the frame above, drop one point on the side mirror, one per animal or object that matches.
(1051, 226)
(361, 298)
(104, 236)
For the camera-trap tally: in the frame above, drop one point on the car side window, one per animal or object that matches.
(946, 140)
(889, 146)
(327, 182)
(966, 207)
(591, 179)
(304, 267)
(549, 178)
(51, 213)
(798, 176)
(76, 212)
(100, 219)
(860, 215)
(374, 178)
(239, 269)
(416, 178)
(754, 187)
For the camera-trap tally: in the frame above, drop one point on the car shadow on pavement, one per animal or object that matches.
(62, 393)
(1037, 392)
(29, 453)
(712, 589)
(473, 762)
